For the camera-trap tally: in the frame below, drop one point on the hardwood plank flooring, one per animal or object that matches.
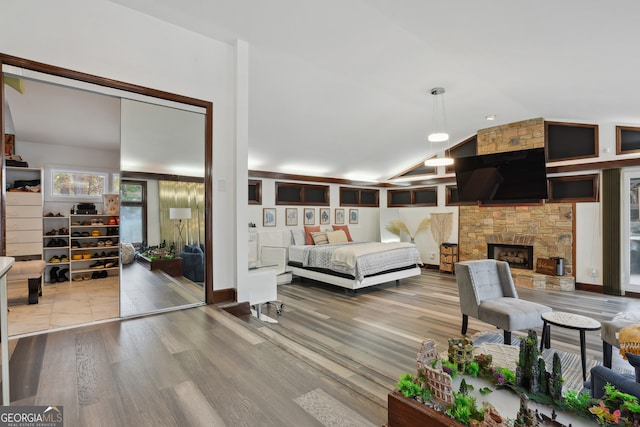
(329, 354)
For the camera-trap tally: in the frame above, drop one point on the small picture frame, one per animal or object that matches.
(325, 216)
(339, 216)
(9, 145)
(292, 216)
(353, 216)
(309, 216)
(268, 217)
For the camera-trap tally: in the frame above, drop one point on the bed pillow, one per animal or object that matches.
(308, 229)
(298, 236)
(320, 238)
(338, 236)
(345, 228)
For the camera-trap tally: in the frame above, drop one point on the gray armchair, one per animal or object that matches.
(487, 293)
(609, 333)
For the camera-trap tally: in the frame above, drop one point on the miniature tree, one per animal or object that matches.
(555, 382)
(543, 377)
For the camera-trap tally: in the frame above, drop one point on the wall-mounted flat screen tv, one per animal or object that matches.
(502, 177)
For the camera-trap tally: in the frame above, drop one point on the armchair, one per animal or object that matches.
(609, 333)
(193, 263)
(487, 293)
(601, 375)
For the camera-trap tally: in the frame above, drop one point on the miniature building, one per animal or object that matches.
(460, 352)
(426, 355)
(440, 384)
(491, 418)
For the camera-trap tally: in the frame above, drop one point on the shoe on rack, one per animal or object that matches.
(76, 257)
(75, 244)
(62, 275)
(61, 243)
(75, 234)
(53, 275)
(49, 214)
(84, 234)
(51, 233)
(95, 275)
(64, 258)
(100, 242)
(103, 274)
(63, 231)
(97, 264)
(87, 255)
(54, 259)
(108, 242)
(52, 243)
(78, 278)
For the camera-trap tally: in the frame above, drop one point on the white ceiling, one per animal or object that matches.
(340, 88)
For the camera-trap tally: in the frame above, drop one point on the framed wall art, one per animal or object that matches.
(339, 216)
(292, 216)
(353, 216)
(325, 216)
(268, 217)
(309, 216)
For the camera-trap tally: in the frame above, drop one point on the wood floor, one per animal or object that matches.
(330, 361)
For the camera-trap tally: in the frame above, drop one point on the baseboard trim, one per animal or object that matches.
(223, 295)
(599, 289)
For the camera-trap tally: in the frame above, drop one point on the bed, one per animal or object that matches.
(355, 265)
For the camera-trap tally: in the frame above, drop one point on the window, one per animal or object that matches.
(567, 141)
(133, 211)
(78, 184)
(301, 194)
(627, 139)
(359, 197)
(576, 188)
(424, 196)
(255, 192)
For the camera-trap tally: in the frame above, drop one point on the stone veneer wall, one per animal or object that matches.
(549, 228)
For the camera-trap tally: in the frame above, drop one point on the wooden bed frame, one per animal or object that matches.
(355, 283)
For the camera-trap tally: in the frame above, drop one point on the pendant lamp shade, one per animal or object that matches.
(439, 126)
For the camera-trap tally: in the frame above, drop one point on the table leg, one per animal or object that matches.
(258, 311)
(583, 354)
(545, 339)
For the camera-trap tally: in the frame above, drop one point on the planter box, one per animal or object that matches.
(405, 412)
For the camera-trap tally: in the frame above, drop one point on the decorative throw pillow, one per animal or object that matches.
(308, 229)
(320, 238)
(345, 228)
(338, 236)
(298, 236)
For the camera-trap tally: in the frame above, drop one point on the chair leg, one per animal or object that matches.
(465, 324)
(507, 337)
(606, 354)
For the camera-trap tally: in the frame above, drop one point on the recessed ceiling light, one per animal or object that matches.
(490, 117)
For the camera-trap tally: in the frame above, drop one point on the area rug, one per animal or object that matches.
(571, 363)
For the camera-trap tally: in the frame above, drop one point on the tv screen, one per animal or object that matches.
(510, 176)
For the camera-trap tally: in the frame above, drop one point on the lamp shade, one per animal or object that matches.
(179, 213)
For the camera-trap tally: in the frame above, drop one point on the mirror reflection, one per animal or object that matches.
(111, 173)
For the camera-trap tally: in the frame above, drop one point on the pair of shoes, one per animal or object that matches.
(62, 275)
(51, 233)
(56, 243)
(63, 231)
(51, 214)
(64, 258)
(95, 233)
(110, 264)
(97, 264)
(54, 259)
(99, 274)
(75, 244)
(75, 234)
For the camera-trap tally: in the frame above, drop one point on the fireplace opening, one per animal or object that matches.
(518, 256)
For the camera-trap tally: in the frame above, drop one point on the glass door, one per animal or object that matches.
(631, 230)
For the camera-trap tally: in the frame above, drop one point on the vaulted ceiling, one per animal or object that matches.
(341, 88)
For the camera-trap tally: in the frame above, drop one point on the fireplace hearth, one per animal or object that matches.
(518, 256)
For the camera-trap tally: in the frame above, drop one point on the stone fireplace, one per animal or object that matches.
(518, 256)
(546, 228)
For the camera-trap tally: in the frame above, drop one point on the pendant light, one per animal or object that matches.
(439, 129)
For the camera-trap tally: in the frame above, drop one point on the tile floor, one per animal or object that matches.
(62, 304)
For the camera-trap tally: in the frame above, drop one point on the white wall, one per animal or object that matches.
(367, 228)
(108, 40)
(588, 243)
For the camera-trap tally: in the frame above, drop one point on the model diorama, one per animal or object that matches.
(433, 386)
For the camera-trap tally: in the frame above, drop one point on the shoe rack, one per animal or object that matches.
(55, 247)
(81, 247)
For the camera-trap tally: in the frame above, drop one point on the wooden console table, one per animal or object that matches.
(171, 266)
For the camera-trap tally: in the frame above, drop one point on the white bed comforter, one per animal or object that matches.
(361, 259)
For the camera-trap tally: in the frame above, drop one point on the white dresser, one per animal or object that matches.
(24, 224)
